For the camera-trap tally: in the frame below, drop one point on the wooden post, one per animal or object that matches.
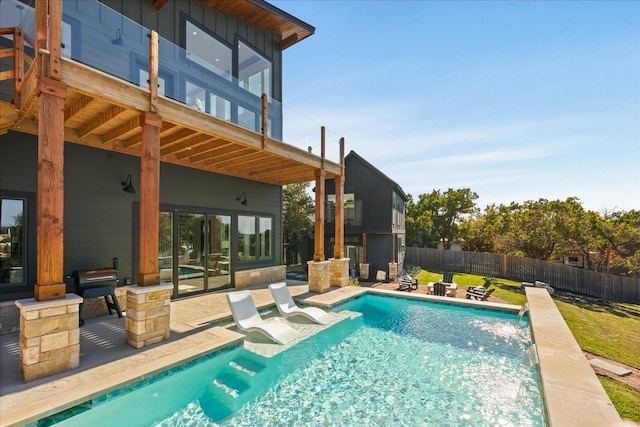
(149, 200)
(153, 72)
(338, 250)
(318, 240)
(50, 210)
(42, 10)
(18, 47)
(265, 119)
(55, 39)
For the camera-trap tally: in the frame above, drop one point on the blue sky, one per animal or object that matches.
(515, 100)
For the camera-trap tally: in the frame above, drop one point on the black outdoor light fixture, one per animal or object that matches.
(127, 186)
(242, 199)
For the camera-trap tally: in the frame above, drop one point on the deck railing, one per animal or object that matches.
(561, 276)
(103, 39)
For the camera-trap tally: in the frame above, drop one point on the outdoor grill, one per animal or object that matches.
(98, 282)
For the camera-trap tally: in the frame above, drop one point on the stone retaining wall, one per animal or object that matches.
(260, 276)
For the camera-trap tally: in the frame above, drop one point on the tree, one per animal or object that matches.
(435, 217)
(297, 210)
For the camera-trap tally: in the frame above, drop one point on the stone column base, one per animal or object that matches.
(393, 271)
(318, 276)
(339, 272)
(49, 336)
(148, 314)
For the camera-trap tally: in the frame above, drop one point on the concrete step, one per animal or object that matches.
(620, 371)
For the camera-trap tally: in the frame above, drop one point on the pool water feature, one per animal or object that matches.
(400, 363)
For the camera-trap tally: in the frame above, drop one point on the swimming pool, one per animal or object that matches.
(400, 363)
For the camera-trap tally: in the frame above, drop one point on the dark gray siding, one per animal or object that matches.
(168, 23)
(99, 216)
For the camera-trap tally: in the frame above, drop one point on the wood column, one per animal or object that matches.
(149, 200)
(52, 93)
(338, 250)
(318, 239)
(50, 210)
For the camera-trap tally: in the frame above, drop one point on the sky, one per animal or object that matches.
(516, 100)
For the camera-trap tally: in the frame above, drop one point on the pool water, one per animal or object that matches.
(401, 363)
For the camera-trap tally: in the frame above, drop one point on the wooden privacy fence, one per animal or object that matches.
(561, 276)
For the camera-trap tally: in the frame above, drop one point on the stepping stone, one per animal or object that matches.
(619, 371)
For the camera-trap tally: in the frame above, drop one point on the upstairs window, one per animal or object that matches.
(207, 51)
(254, 70)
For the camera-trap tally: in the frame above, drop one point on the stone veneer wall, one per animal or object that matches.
(260, 276)
(148, 314)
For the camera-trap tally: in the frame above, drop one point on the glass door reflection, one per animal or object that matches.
(191, 247)
(218, 260)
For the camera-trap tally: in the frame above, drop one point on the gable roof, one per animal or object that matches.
(266, 16)
(394, 185)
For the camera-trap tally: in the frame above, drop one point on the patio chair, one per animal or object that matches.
(447, 277)
(482, 288)
(479, 294)
(406, 282)
(246, 316)
(288, 308)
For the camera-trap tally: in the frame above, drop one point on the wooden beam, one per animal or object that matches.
(123, 130)
(77, 106)
(149, 200)
(217, 146)
(158, 4)
(42, 10)
(215, 160)
(177, 137)
(318, 235)
(186, 146)
(137, 139)
(339, 219)
(50, 283)
(153, 71)
(288, 42)
(232, 150)
(104, 117)
(182, 150)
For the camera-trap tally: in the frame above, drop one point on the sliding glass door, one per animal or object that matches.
(194, 251)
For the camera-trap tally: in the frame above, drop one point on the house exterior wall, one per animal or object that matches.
(100, 220)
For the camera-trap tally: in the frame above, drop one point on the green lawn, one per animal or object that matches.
(603, 328)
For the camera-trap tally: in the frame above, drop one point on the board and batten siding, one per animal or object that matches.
(168, 23)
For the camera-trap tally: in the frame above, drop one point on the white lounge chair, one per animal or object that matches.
(248, 319)
(287, 307)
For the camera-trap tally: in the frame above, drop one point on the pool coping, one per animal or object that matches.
(571, 392)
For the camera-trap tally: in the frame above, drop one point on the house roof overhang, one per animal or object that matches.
(263, 15)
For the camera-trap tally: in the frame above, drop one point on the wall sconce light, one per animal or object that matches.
(242, 199)
(127, 186)
(118, 40)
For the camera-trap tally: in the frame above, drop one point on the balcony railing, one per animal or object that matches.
(99, 37)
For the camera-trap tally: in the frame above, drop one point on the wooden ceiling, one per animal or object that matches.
(263, 15)
(104, 112)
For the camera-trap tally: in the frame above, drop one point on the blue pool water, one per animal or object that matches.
(401, 363)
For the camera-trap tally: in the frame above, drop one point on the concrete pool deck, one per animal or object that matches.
(572, 394)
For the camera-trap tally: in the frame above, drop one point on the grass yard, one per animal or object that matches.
(607, 329)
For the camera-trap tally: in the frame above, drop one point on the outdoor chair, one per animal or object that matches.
(447, 277)
(406, 282)
(288, 308)
(247, 319)
(482, 288)
(479, 293)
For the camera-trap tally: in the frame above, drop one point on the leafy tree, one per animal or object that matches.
(297, 210)
(436, 216)
(481, 232)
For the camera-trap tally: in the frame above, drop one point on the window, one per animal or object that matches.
(352, 209)
(207, 51)
(255, 238)
(254, 70)
(12, 241)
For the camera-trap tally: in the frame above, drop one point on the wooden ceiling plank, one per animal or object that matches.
(121, 130)
(233, 151)
(187, 145)
(177, 137)
(77, 106)
(110, 114)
